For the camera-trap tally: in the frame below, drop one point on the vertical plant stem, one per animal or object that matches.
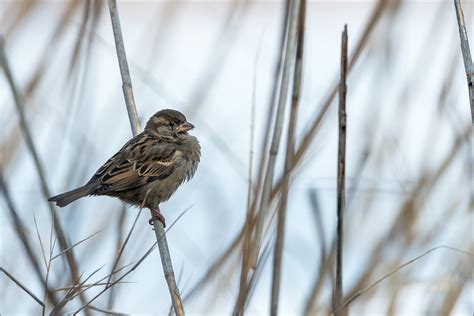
(341, 166)
(290, 150)
(250, 220)
(466, 54)
(19, 104)
(124, 72)
(135, 125)
(290, 51)
(24, 288)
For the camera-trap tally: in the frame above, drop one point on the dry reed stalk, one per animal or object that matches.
(133, 268)
(20, 231)
(19, 104)
(359, 46)
(466, 54)
(380, 280)
(341, 174)
(20, 285)
(121, 248)
(421, 190)
(233, 246)
(219, 262)
(250, 219)
(135, 125)
(289, 57)
(290, 150)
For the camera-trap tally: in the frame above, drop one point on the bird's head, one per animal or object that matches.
(169, 124)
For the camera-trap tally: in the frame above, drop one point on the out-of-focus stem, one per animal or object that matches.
(36, 160)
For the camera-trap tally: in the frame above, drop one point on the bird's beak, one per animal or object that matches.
(186, 126)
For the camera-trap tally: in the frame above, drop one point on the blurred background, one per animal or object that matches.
(408, 174)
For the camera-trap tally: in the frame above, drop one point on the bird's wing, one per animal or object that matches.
(140, 161)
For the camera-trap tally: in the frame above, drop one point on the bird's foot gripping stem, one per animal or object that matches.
(157, 216)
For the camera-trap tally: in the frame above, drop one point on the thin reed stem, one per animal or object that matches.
(289, 57)
(135, 125)
(466, 54)
(19, 104)
(21, 232)
(290, 151)
(20, 285)
(341, 174)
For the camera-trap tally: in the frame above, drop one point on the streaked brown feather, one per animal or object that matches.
(141, 160)
(149, 168)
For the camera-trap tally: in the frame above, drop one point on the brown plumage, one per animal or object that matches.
(149, 168)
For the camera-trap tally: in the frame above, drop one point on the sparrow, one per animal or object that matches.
(148, 169)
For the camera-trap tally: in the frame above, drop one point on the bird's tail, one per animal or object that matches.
(70, 196)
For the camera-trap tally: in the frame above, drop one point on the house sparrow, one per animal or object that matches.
(149, 168)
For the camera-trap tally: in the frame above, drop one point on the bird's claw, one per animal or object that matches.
(157, 216)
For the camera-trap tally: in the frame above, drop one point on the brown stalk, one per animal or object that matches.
(251, 194)
(120, 252)
(290, 151)
(135, 125)
(89, 285)
(424, 185)
(73, 292)
(341, 174)
(38, 166)
(380, 280)
(250, 219)
(308, 137)
(289, 57)
(20, 231)
(239, 308)
(212, 272)
(24, 288)
(105, 311)
(134, 267)
(466, 54)
(360, 45)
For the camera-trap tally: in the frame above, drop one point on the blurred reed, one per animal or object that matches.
(395, 255)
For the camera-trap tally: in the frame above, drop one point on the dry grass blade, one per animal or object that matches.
(16, 13)
(466, 54)
(376, 283)
(105, 311)
(71, 293)
(67, 288)
(119, 246)
(43, 253)
(122, 248)
(135, 124)
(239, 308)
(20, 231)
(100, 281)
(212, 271)
(421, 189)
(290, 151)
(135, 265)
(32, 148)
(22, 286)
(341, 173)
(76, 244)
